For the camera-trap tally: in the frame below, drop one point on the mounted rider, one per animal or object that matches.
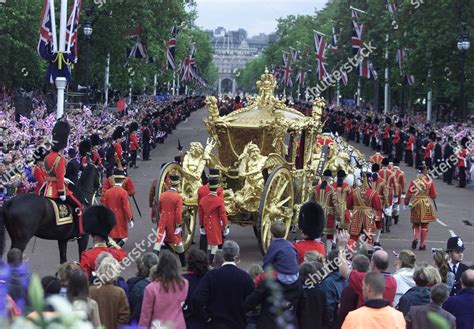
(55, 167)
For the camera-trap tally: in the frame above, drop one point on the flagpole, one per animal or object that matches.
(358, 92)
(177, 83)
(429, 99)
(53, 26)
(155, 78)
(61, 82)
(72, 25)
(386, 89)
(174, 82)
(337, 94)
(106, 82)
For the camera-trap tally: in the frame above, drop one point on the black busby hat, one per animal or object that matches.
(455, 244)
(385, 162)
(432, 136)
(85, 148)
(368, 119)
(327, 173)
(145, 121)
(133, 126)
(99, 220)
(399, 123)
(412, 130)
(39, 154)
(72, 152)
(118, 133)
(174, 180)
(60, 135)
(376, 121)
(464, 141)
(375, 167)
(237, 99)
(95, 140)
(341, 174)
(214, 172)
(388, 120)
(213, 183)
(311, 219)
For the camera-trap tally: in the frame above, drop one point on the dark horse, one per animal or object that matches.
(29, 215)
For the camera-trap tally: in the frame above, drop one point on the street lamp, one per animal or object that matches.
(87, 29)
(463, 45)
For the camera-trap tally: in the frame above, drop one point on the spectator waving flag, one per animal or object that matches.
(320, 53)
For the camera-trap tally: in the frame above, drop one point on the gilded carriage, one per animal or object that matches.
(265, 154)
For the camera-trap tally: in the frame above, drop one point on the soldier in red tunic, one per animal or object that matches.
(117, 136)
(423, 192)
(126, 182)
(325, 195)
(365, 204)
(38, 172)
(397, 140)
(400, 189)
(170, 206)
(95, 143)
(378, 185)
(116, 199)
(462, 162)
(204, 191)
(429, 150)
(99, 221)
(388, 177)
(133, 147)
(311, 224)
(377, 157)
(55, 167)
(213, 218)
(410, 146)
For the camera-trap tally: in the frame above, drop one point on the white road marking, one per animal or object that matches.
(452, 233)
(439, 221)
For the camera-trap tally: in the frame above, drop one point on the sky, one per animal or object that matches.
(255, 16)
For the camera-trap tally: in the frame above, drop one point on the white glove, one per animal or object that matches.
(68, 181)
(130, 224)
(226, 231)
(202, 231)
(62, 197)
(178, 230)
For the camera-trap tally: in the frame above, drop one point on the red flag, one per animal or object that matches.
(121, 105)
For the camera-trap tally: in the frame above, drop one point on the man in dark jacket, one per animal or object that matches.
(73, 167)
(419, 294)
(418, 315)
(455, 250)
(461, 306)
(447, 156)
(220, 296)
(438, 153)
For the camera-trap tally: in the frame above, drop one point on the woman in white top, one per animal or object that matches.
(404, 263)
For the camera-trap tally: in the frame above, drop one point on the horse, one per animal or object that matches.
(28, 215)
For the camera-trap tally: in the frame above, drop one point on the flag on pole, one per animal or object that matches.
(344, 77)
(71, 31)
(300, 78)
(367, 70)
(320, 54)
(286, 70)
(294, 55)
(189, 63)
(357, 30)
(45, 43)
(333, 41)
(171, 48)
(137, 51)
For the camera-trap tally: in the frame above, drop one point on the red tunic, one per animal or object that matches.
(410, 143)
(96, 158)
(170, 206)
(116, 199)
(399, 182)
(461, 157)
(396, 137)
(365, 204)
(213, 217)
(386, 132)
(423, 190)
(118, 151)
(302, 247)
(55, 169)
(377, 158)
(429, 150)
(388, 177)
(382, 192)
(342, 194)
(133, 142)
(325, 140)
(327, 200)
(127, 184)
(40, 175)
(204, 191)
(88, 257)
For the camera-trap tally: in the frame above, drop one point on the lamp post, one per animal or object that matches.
(87, 29)
(463, 45)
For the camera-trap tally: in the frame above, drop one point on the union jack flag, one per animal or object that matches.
(320, 53)
(189, 64)
(344, 77)
(45, 43)
(286, 70)
(294, 55)
(367, 70)
(392, 7)
(401, 56)
(357, 30)
(410, 79)
(171, 48)
(71, 30)
(300, 78)
(400, 59)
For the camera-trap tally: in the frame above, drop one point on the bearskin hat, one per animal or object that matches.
(375, 167)
(133, 126)
(341, 174)
(60, 135)
(85, 147)
(464, 141)
(327, 173)
(95, 140)
(118, 133)
(368, 120)
(237, 99)
(396, 161)
(432, 136)
(99, 220)
(388, 120)
(376, 121)
(385, 162)
(399, 124)
(412, 130)
(311, 220)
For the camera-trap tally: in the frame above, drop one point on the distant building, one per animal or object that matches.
(231, 52)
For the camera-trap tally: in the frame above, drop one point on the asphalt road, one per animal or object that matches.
(454, 205)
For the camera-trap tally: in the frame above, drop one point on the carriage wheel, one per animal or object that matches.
(189, 213)
(276, 203)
